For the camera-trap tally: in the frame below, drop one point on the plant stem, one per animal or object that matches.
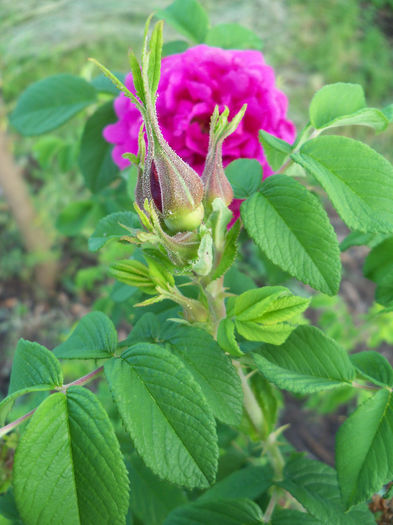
(271, 506)
(78, 382)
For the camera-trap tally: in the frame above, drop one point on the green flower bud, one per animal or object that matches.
(214, 179)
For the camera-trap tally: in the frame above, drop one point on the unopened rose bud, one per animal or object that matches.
(214, 179)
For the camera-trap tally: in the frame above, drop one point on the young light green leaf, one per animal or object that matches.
(335, 100)
(34, 365)
(358, 180)
(364, 455)
(154, 70)
(151, 498)
(223, 512)
(275, 149)
(49, 103)
(95, 156)
(233, 36)
(371, 117)
(210, 367)
(113, 227)
(374, 367)
(68, 465)
(229, 252)
(137, 77)
(275, 334)
(245, 176)
(94, 337)
(166, 414)
(249, 482)
(314, 485)
(308, 361)
(226, 337)
(188, 17)
(308, 247)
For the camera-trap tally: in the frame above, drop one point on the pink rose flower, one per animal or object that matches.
(191, 84)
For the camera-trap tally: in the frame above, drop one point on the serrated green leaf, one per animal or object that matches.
(95, 156)
(275, 149)
(233, 36)
(94, 337)
(210, 367)
(49, 103)
(226, 337)
(374, 367)
(335, 100)
(68, 465)
(188, 17)
(245, 176)
(358, 180)
(164, 411)
(133, 273)
(250, 482)
(308, 247)
(364, 455)
(147, 330)
(314, 485)
(224, 512)
(113, 227)
(151, 498)
(371, 117)
(384, 291)
(34, 365)
(308, 361)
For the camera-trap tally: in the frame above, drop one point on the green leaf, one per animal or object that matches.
(293, 517)
(133, 273)
(137, 77)
(245, 176)
(379, 262)
(151, 498)
(113, 227)
(229, 252)
(358, 180)
(223, 512)
(103, 85)
(384, 291)
(94, 337)
(226, 337)
(335, 100)
(210, 367)
(34, 365)
(250, 482)
(308, 247)
(314, 485)
(275, 149)
(188, 17)
(308, 361)
(364, 455)
(166, 414)
(233, 36)
(361, 239)
(49, 103)
(388, 112)
(154, 69)
(374, 367)
(174, 47)
(95, 156)
(68, 465)
(73, 217)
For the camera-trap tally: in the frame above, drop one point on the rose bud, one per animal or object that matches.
(214, 179)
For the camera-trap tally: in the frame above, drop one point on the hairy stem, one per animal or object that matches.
(81, 381)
